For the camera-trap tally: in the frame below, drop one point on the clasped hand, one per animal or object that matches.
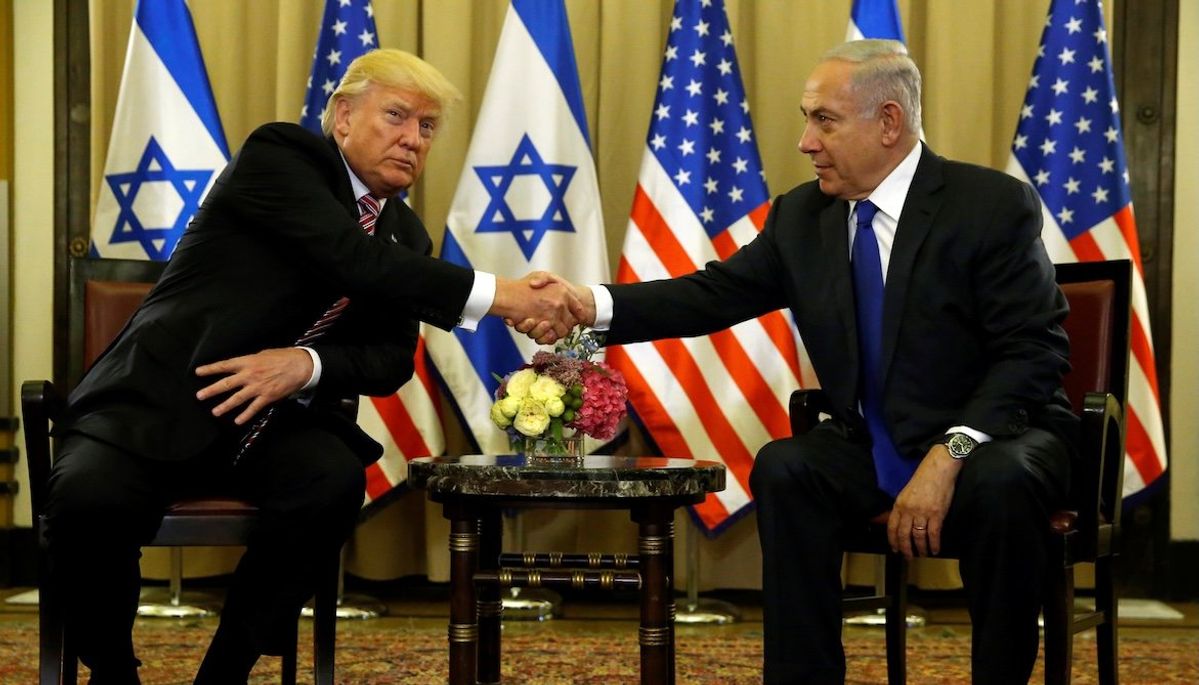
(543, 306)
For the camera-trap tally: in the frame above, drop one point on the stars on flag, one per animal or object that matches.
(1070, 130)
(347, 31)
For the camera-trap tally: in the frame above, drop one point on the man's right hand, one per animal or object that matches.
(549, 304)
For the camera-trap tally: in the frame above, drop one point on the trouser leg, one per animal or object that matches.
(997, 526)
(806, 490)
(103, 504)
(309, 488)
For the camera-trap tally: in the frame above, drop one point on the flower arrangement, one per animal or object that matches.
(562, 389)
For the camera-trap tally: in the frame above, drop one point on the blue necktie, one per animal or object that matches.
(893, 472)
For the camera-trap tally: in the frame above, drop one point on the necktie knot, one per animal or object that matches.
(865, 212)
(368, 211)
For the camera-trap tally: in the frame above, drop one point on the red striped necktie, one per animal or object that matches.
(368, 208)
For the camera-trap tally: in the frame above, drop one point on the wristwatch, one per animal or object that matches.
(959, 445)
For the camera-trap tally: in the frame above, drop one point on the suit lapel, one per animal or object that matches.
(919, 210)
(833, 234)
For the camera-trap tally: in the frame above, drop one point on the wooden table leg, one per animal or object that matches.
(464, 627)
(655, 543)
(490, 606)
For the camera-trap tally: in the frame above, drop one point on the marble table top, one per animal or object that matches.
(592, 477)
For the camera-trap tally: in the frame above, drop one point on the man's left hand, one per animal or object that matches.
(256, 380)
(915, 525)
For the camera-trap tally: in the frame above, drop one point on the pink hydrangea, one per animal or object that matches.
(604, 395)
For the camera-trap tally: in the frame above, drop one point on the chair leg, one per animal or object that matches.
(896, 582)
(1106, 642)
(1059, 631)
(288, 665)
(324, 622)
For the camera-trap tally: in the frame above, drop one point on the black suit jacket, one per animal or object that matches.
(971, 316)
(276, 242)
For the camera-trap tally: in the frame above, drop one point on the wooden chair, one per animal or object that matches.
(1099, 294)
(104, 295)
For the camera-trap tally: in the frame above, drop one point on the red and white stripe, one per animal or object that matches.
(1116, 238)
(721, 396)
(407, 424)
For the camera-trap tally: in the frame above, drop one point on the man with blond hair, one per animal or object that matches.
(300, 282)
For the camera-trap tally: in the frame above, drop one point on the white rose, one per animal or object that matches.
(497, 415)
(546, 388)
(532, 419)
(509, 405)
(519, 382)
(554, 406)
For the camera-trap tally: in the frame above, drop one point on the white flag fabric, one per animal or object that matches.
(167, 146)
(407, 423)
(1069, 145)
(527, 199)
(700, 195)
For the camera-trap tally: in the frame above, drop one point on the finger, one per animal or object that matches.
(548, 339)
(223, 366)
(893, 531)
(905, 537)
(920, 541)
(537, 330)
(232, 402)
(250, 411)
(222, 386)
(540, 279)
(526, 326)
(934, 536)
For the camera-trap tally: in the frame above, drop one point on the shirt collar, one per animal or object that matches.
(890, 195)
(357, 185)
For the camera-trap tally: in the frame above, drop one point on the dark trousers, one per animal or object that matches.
(811, 489)
(104, 504)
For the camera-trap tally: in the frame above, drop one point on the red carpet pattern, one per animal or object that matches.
(376, 653)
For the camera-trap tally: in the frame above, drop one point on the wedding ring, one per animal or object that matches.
(918, 527)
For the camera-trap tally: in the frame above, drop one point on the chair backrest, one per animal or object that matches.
(104, 295)
(1098, 325)
(1099, 294)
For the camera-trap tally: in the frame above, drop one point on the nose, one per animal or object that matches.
(809, 143)
(410, 133)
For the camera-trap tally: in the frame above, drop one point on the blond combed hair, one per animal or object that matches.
(394, 69)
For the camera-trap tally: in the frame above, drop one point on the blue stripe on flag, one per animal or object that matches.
(491, 346)
(547, 23)
(877, 19)
(165, 23)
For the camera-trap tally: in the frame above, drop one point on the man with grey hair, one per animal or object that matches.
(931, 315)
(300, 282)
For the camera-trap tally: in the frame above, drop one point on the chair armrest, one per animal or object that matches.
(806, 407)
(1099, 480)
(40, 403)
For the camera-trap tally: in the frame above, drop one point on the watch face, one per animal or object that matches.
(960, 445)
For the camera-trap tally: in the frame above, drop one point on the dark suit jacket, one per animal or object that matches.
(276, 241)
(971, 316)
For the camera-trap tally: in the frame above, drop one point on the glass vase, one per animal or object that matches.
(567, 449)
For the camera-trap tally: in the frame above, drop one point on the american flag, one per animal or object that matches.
(700, 195)
(1070, 147)
(408, 423)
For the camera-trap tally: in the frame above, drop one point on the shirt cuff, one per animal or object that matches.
(316, 370)
(478, 303)
(603, 307)
(979, 436)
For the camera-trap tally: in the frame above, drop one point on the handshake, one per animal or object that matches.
(542, 305)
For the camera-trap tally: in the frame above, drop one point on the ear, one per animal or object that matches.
(342, 107)
(892, 120)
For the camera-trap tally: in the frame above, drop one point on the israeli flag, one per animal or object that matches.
(167, 146)
(527, 199)
(874, 19)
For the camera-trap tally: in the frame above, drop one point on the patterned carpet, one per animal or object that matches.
(413, 651)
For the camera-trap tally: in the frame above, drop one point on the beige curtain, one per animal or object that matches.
(976, 57)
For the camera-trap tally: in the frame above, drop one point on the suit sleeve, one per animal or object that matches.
(284, 185)
(723, 293)
(1021, 311)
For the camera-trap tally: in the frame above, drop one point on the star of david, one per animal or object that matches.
(498, 217)
(155, 167)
